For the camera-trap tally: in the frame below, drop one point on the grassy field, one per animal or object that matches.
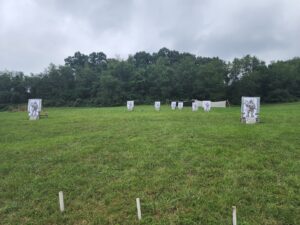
(186, 167)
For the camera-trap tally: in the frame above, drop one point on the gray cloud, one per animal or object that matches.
(35, 33)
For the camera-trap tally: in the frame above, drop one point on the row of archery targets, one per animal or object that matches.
(250, 107)
(206, 105)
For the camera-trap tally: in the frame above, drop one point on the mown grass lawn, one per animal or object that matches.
(186, 167)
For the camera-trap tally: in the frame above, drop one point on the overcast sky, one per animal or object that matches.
(35, 33)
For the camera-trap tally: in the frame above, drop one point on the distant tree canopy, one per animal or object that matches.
(95, 80)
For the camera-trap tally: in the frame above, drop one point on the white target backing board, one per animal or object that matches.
(34, 108)
(206, 105)
(180, 105)
(130, 105)
(250, 108)
(157, 105)
(194, 106)
(173, 105)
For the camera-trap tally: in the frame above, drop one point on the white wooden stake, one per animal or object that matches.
(138, 206)
(234, 215)
(61, 201)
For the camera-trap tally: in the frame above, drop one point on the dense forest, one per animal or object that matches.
(95, 80)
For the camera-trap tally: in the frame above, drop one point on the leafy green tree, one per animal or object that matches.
(77, 61)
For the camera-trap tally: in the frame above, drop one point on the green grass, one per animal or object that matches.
(186, 167)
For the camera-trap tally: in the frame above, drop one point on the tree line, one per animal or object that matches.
(95, 80)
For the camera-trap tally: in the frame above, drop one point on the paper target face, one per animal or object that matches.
(157, 106)
(180, 105)
(206, 105)
(173, 105)
(250, 107)
(130, 105)
(34, 108)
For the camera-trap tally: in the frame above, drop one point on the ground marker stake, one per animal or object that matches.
(61, 201)
(234, 215)
(138, 206)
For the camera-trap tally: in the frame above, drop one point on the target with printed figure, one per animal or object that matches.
(34, 108)
(250, 109)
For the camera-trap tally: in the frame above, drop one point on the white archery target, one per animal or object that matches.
(206, 105)
(250, 109)
(180, 105)
(157, 105)
(173, 105)
(130, 105)
(34, 108)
